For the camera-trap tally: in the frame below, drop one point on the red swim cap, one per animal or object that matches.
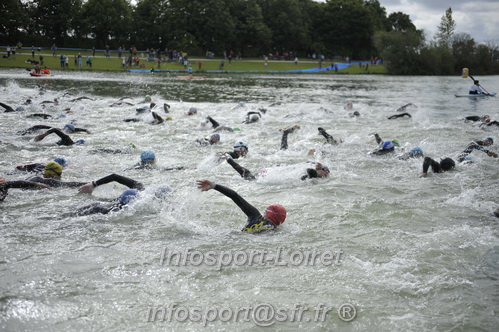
(276, 213)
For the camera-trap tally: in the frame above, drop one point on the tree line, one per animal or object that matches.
(360, 29)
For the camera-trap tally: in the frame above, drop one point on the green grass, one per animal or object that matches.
(113, 63)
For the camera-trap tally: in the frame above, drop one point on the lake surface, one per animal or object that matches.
(407, 253)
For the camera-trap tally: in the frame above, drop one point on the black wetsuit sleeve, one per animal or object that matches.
(7, 108)
(157, 118)
(96, 208)
(78, 130)
(493, 123)
(131, 120)
(284, 140)
(33, 129)
(473, 118)
(245, 173)
(132, 184)
(56, 183)
(311, 173)
(248, 209)
(18, 184)
(65, 139)
(399, 116)
(435, 166)
(214, 123)
(233, 155)
(327, 136)
(378, 139)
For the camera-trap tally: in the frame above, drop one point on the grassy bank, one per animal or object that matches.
(114, 63)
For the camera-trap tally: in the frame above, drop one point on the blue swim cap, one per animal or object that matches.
(69, 127)
(388, 145)
(416, 150)
(80, 141)
(128, 195)
(147, 156)
(241, 103)
(468, 158)
(61, 161)
(60, 116)
(20, 109)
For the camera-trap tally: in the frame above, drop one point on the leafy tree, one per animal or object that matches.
(400, 51)
(13, 14)
(400, 22)
(108, 20)
(446, 28)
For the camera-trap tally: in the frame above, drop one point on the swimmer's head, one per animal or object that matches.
(148, 157)
(241, 148)
(192, 111)
(128, 195)
(69, 128)
(388, 146)
(447, 164)
(147, 99)
(416, 152)
(242, 104)
(323, 172)
(52, 170)
(395, 142)
(254, 118)
(61, 161)
(276, 213)
(349, 105)
(80, 142)
(214, 138)
(20, 109)
(488, 140)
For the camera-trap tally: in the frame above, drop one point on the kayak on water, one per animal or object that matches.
(478, 95)
(39, 74)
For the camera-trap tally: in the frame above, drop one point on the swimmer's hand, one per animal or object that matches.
(86, 189)
(39, 137)
(43, 186)
(492, 154)
(205, 185)
(423, 175)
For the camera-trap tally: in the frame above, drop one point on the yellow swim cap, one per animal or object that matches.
(53, 168)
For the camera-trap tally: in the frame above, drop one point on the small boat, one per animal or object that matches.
(39, 74)
(493, 94)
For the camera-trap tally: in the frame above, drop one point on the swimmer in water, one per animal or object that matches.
(384, 146)
(209, 140)
(444, 165)
(52, 174)
(65, 139)
(38, 167)
(273, 216)
(480, 146)
(124, 199)
(6, 185)
(240, 150)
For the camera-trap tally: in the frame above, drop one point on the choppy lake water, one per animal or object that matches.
(416, 253)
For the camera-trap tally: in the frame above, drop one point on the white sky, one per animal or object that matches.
(480, 18)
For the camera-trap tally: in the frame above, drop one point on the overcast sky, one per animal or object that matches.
(477, 18)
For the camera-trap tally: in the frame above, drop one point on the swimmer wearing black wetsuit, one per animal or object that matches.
(476, 118)
(252, 117)
(274, 215)
(5, 186)
(55, 183)
(320, 171)
(400, 109)
(395, 116)
(65, 139)
(444, 165)
(244, 172)
(478, 145)
(99, 207)
(328, 137)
